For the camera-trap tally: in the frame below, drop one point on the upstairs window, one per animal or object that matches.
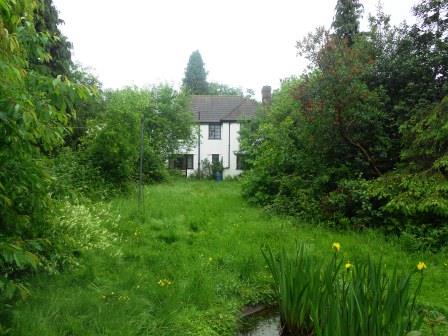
(214, 131)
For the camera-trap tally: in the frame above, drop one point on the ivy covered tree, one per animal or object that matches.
(195, 80)
(346, 19)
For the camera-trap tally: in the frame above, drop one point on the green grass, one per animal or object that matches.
(206, 240)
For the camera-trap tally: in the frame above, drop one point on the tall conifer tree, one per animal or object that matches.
(346, 19)
(195, 80)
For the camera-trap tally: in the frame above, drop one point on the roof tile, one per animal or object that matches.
(222, 108)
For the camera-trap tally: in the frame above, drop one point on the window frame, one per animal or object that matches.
(240, 164)
(212, 131)
(189, 158)
(181, 161)
(216, 156)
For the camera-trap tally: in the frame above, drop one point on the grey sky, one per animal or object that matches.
(246, 43)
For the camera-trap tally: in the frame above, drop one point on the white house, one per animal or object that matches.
(219, 119)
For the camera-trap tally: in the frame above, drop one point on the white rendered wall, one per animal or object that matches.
(234, 149)
(221, 147)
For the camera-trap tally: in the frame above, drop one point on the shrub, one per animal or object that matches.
(80, 227)
(75, 175)
(72, 229)
(17, 257)
(208, 170)
(413, 206)
(352, 206)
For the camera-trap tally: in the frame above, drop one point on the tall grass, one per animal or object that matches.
(203, 239)
(330, 297)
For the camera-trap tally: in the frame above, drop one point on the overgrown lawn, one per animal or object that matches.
(190, 266)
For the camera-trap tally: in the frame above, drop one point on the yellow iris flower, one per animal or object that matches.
(336, 246)
(421, 266)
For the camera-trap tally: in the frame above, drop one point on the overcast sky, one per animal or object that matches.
(244, 43)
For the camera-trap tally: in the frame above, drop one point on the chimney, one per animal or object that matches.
(266, 96)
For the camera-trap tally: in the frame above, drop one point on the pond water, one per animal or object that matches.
(263, 322)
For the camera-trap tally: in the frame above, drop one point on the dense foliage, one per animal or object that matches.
(112, 142)
(34, 109)
(61, 140)
(223, 90)
(46, 20)
(360, 139)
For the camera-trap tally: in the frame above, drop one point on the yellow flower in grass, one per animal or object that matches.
(336, 246)
(348, 265)
(164, 282)
(421, 266)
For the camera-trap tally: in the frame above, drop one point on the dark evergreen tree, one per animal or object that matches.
(346, 19)
(195, 80)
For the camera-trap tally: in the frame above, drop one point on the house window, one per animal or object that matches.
(172, 163)
(189, 159)
(215, 158)
(214, 131)
(181, 162)
(240, 162)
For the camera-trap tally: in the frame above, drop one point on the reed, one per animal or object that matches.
(329, 297)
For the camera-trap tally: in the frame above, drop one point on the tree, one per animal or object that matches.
(195, 81)
(361, 139)
(112, 143)
(46, 21)
(33, 116)
(434, 16)
(336, 96)
(223, 90)
(168, 127)
(346, 19)
(86, 109)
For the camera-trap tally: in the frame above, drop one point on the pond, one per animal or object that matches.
(260, 321)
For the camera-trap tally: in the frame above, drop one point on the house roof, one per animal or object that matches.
(222, 108)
